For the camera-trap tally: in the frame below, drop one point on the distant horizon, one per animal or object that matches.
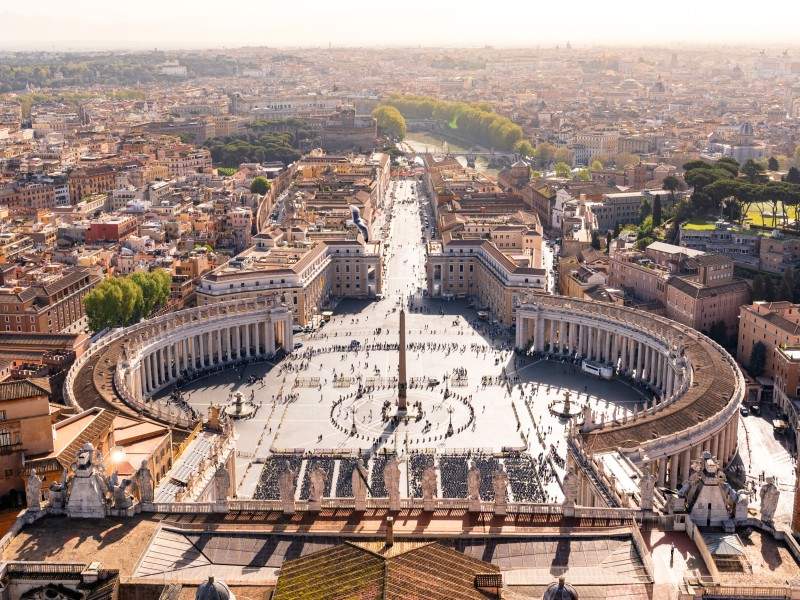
(100, 46)
(96, 25)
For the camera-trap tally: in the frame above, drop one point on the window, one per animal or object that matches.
(5, 437)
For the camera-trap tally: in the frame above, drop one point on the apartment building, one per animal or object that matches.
(618, 209)
(710, 296)
(45, 302)
(774, 324)
(698, 291)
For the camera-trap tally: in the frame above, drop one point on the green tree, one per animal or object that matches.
(729, 164)
(390, 121)
(657, 210)
(584, 175)
(595, 240)
(562, 169)
(758, 359)
(596, 165)
(563, 154)
(115, 302)
(753, 171)
(524, 148)
(792, 176)
(544, 154)
(644, 209)
(797, 156)
(260, 185)
(609, 238)
(772, 164)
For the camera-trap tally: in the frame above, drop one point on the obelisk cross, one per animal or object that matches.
(401, 385)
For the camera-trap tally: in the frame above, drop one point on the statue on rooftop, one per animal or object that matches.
(318, 479)
(428, 487)
(33, 491)
(391, 479)
(119, 492)
(474, 488)
(286, 485)
(769, 495)
(359, 485)
(646, 490)
(570, 487)
(144, 483)
(222, 483)
(500, 488)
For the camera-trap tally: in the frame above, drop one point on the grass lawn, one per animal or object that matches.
(698, 225)
(754, 214)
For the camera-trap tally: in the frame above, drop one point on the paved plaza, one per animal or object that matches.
(469, 392)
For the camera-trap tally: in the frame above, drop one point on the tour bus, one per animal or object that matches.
(597, 369)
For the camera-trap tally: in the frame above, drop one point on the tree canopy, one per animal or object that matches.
(122, 301)
(253, 147)
(390, 121)
(476, 122)
(259, 185)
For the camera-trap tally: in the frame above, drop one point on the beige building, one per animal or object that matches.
(459, 267)
(303, 269)
(699, 291)
(774, 324)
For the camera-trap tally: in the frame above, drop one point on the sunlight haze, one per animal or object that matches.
(89, 24)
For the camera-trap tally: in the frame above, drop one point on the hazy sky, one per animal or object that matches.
(59, 24)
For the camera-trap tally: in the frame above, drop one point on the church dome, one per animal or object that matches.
(559, 590)
(214, 590)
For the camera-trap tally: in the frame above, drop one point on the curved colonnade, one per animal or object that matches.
(697, 385)
(148, 356)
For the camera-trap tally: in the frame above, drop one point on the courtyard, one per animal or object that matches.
(472, 399)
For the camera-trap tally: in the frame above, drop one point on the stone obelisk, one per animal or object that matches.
(401, 384)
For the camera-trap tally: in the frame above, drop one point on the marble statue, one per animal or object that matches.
(87, 493)
(33, 491)
(588, 418)
(391, 479)
(646, 489)
(57, 492)
(769, 495)
(119, 492)
(500, 488)
(570, 487)
(359, 484)
(286, 485)
(474, 488)
(144, 483)
(222, 483)
(318, 479)
(742, 505)
(428, 488)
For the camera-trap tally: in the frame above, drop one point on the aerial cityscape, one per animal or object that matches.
(434, 315)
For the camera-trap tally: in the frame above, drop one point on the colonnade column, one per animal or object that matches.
(562, 336)
(573, 336)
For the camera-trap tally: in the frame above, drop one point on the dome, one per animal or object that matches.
(214, 590)
(559, 590)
